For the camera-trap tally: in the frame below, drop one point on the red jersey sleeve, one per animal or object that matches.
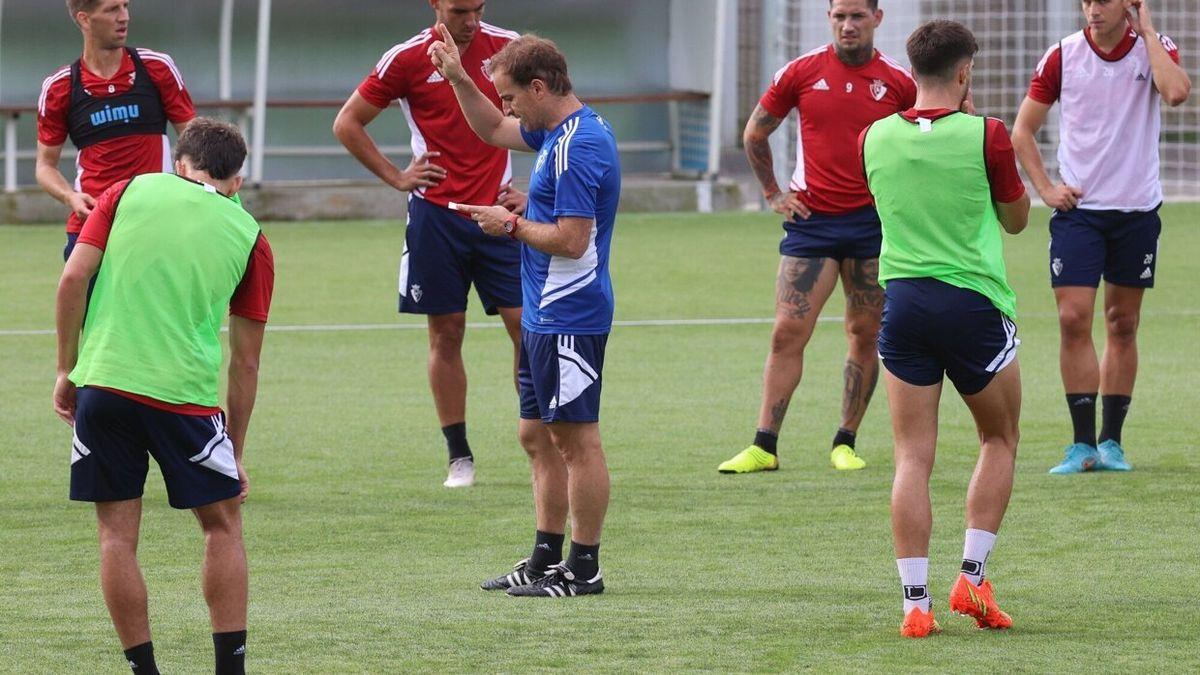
(387, 82)
(1170, 46)
(1046, 85)
(1001, 163)
(177, 102)
(782, 95)
(52, 108)
(252, 299)
(99, 223)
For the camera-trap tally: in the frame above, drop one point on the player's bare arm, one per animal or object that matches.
(568, 237)
(350, 127)
(1170, 79)
(1030, 119)
(1014, 216)
(245, 346)
(512, 199)
(485, 119)
(758, 152)
(55, 184)
(69, 311)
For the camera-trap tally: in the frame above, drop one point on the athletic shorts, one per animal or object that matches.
(1120, 245)
(72, 237)
(857, 234)
(931, 328)
(444, 253)
(115, 436)
(559, 377)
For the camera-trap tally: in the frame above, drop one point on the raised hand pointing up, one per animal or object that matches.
(446, 58)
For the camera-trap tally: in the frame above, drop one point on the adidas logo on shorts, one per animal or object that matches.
(1146, 273)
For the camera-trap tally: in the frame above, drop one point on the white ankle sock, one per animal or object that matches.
(914, 576)
(976, 549)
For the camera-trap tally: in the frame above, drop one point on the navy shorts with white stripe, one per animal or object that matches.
(559, 377)
(931, 328)
(115, 436)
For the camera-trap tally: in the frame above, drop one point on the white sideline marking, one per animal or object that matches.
(352, 327)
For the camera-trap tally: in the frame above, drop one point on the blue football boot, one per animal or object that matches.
(1079, 457)
(1112, 457)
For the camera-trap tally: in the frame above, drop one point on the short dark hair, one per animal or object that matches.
(77, 6)
(212, 146)
(530, 58)
(872, 4)
(937, 48)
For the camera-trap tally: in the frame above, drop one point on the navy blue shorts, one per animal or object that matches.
(857, 234)
(444, 253)
(559, 377)
(930, 328)
(1120, 245)
(72, 237)
(114, 437)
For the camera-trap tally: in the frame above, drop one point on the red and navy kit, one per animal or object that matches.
(117, 124)
(444, 251)
(251, 300)
(835, 103)
(475, 170)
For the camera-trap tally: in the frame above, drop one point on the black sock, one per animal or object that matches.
(547, 550)
(456, 441)
(1083, 417)
(844, 437)
(230, 649)
(1112, 412)
(141, 659)
(584, 560)
(764, 439)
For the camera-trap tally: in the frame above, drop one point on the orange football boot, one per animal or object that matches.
(919, 624)
(979, 603)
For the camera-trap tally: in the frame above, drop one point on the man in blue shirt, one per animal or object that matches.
(566, 236)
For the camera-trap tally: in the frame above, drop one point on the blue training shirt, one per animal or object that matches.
(577, 173)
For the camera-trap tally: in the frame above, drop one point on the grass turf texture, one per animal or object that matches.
(362, 562)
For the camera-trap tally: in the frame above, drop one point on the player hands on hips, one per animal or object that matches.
(566, 235)
(945, 183)
(143, 378)
(1109, 79)
(445, 254)
(832, 228)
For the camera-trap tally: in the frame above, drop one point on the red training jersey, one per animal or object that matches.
(251, 299)
(475, 171)
(835, 103)
(998, 154)
(101, 165)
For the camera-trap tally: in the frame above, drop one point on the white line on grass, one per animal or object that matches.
(353, 327)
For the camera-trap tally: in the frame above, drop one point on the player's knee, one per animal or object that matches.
(789, 336)
(1122, 325)
(862, 334)
(1075, 321)
(121, 544)
(446, 339)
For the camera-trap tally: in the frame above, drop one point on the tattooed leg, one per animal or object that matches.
(803, 286)
(864, 307)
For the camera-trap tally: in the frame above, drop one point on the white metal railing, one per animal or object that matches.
(242, 111)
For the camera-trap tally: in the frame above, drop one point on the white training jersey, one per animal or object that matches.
(1110, 119)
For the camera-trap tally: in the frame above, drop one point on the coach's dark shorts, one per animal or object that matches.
(444, 253)
(850, 235)
(559, 377)
(930, 328)
(114, 437)
(1120, 245)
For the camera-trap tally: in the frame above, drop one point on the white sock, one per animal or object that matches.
(914, 576)
(976, 549)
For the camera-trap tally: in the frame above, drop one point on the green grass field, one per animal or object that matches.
(362, 562)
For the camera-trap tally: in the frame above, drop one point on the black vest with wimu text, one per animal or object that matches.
(138, 111)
